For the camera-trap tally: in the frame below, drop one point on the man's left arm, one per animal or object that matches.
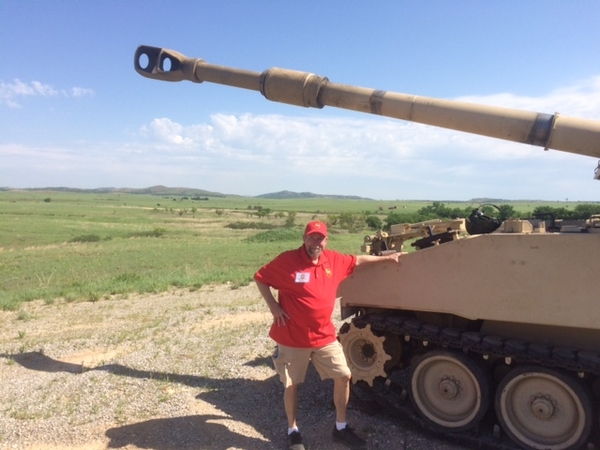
(367, 259)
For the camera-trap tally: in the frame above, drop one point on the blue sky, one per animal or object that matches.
(73, 112)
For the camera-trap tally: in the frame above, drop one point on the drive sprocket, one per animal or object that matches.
(364, 352)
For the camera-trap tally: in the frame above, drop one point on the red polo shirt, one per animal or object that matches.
(307, 293)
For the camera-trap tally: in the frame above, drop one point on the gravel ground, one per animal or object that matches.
(178, 370)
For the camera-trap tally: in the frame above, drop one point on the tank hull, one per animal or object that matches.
(520, 285)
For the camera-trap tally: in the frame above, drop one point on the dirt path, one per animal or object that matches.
(179, 370)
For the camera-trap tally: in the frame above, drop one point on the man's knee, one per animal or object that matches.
(344, 379)
(292, 388)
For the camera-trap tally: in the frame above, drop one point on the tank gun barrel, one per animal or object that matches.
(551, 131)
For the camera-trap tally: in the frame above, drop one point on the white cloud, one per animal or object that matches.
(579, 100)
(81, 92)
(364, 155)
(166, 131)
(12, 91)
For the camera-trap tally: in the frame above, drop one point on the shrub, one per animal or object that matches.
(156, 232)
(291, 217)
(278, 235)
(86, 238)
(374, 222)
(250, 226)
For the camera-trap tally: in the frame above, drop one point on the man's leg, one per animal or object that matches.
(291, 364)
(341, 395)
(290, 401)
(331, 363)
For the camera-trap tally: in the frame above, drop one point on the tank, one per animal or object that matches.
(488, 332)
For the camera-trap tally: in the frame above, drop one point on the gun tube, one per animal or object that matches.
(551, 131)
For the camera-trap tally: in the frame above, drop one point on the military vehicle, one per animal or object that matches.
(495, 325)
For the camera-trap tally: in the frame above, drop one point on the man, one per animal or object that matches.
(307, 280)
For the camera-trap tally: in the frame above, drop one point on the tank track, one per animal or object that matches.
(392, 394)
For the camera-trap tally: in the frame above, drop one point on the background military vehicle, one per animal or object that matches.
(499, 326)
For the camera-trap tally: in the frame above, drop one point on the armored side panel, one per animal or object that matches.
(529, 285)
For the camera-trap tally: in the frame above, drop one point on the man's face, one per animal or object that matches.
(314, 244)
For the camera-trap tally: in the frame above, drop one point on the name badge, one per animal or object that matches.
(302, 277)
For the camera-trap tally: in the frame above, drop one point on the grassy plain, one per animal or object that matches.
(84, 246)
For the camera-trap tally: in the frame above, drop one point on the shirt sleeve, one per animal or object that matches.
(271, 273)
(344, 264)
(350, 263)
(262, 275)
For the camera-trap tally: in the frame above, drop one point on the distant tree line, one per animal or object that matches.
(355, 222)
(437, 210)
(581, 211)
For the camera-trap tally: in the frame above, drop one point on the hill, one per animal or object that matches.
(290, 194)
(152, 190)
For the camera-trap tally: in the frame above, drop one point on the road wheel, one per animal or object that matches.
(449, 390)
(365, 353)
(542, 408)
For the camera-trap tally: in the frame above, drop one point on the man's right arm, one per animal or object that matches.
(279, 315)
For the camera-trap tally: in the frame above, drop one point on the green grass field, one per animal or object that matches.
(82, 246)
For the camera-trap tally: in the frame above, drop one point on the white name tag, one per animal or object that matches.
(302, 277)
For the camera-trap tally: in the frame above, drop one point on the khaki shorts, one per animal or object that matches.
(292, 363)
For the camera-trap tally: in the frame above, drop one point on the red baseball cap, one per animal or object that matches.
(315, 227)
